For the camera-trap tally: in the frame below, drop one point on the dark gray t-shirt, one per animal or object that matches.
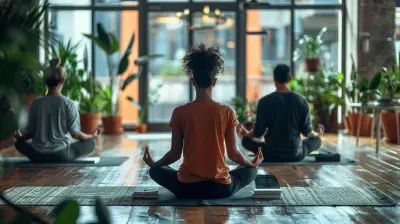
(51, 118)
(281, 117)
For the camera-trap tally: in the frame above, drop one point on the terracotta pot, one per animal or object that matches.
(365, 126)
(30, 97)
(112, 125)
(141, 128)
(312, 64)
(389, 127)
(89, 122)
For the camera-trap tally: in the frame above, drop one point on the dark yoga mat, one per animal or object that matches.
(24, 162)
(122, 196)
(308, 161)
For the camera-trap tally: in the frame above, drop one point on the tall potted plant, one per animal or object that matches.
(310, 48)
(21, 34)
(108, 42)
(390, 93)
(152, 99)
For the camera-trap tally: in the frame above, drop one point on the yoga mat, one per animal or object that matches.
(84, 162)
(148, 137)
(308, 161)
(122, 196)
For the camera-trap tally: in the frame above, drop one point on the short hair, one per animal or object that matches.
(282, 73)
(203, 64)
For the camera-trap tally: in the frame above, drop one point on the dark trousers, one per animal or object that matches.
(167, 177)
(76, 150)
(271, 154)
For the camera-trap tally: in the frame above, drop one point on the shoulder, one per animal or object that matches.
(181, 109)
(300, 98)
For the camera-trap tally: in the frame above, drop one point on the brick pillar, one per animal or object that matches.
(376, 22)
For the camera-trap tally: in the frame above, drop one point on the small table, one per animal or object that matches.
(376, 108)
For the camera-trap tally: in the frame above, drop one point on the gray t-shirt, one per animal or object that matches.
(51, 118)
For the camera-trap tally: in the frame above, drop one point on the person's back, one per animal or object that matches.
(284, 116)
(51, 118)
(200, 130)
(204, 125)
(281, 117)
(50, 121)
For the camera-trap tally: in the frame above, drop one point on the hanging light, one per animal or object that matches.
(186, 11)
(178, 14)
(217, 12)
(206, 9)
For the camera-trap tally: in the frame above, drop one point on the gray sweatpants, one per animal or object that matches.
(76, 150)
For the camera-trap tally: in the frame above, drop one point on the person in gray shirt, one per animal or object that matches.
(281, 117)
(51, 119)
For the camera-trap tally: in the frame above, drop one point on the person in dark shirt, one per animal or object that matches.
(281, 117)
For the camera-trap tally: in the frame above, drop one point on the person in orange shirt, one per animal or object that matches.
(202, 129)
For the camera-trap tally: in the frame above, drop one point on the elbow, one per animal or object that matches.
(77, 136)
(176, 156)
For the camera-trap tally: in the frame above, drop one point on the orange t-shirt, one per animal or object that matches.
(203, 125)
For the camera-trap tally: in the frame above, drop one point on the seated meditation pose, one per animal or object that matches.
(281, 117)
(51, 118)
(201, 129)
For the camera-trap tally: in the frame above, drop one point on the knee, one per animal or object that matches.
(153, 171)
(253, 173)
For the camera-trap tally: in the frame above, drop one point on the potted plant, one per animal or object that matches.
(363, 91)
(152, 99)
(245, 112)
(390, 93)
(321, 90)
(112, 122)
(20, 35)
(310, 48)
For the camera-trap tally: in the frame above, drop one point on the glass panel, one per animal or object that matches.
(168, 36)
(275, 2)
(70, 25)
(117, 2)
(397, 42)
(168, 1)
(69, 2)
(122, 24)
(318, 2)
(219, 31)
(310, 22)
(268, 44)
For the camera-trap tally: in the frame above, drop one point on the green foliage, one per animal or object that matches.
(390, 83)
(310, 47)
(110, 45)
(67, 212)
(67, 52)
(245, 111)
(20, 35)
(152, 99)
(93, 97)
(320, 89)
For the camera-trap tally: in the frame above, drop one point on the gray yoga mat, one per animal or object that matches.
(122, 196)
(24, 162)
(308, 161)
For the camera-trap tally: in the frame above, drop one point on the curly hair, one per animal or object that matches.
(203, 64)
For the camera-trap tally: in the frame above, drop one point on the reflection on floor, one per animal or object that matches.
(381, 171)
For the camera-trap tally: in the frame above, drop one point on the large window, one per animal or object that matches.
(253, 40)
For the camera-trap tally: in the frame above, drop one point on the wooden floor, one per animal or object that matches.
(381, 171)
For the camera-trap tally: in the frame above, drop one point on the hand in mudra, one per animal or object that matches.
(320, 129)
(258, 159)
(147, 157)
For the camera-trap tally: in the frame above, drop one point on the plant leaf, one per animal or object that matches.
(137, 105)
(67, 212)
(102, 213)
(104, 38)
(144, 59)
(375, 81)
(123, 64)
(98, 42)
(114, 43)
(128, 80)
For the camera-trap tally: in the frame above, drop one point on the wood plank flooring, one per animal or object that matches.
(381, 171)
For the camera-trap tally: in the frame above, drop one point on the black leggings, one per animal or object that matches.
(167, 177)
(76, 150)
(273, 155)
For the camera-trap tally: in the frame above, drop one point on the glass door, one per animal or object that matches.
(216, 28)
(168, 35)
